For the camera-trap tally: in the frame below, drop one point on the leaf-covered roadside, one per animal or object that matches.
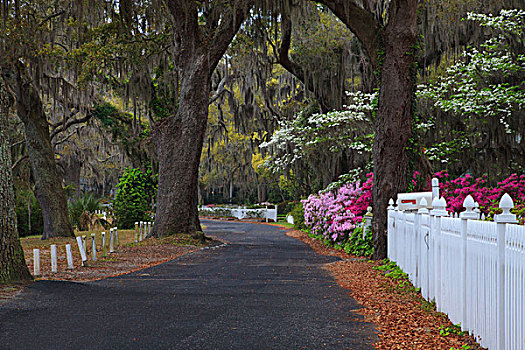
(403, 318)
(128, 258)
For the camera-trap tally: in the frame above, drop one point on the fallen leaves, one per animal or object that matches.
(129, 257)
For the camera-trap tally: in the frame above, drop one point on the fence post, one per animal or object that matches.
(69, 257)
(439, 211)
(419, 239)
(136, 232)
(368, 220)
(398, 235)
(84, 244)
(435, 188)
(82, 248)
(103, 236)
(468, 214)
(506, 204)
(111, 241)
(36, 262)
(94, 247)
(54, 263)
(115, 232)
(390, 232)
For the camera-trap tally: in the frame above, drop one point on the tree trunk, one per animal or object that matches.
(13, 266)
(178, 139)
(393, 118)
(48, 189)
(178, 142)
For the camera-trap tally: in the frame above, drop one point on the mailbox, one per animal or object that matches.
(410, 201)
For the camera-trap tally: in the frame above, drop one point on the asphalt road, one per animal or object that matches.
(263, 290)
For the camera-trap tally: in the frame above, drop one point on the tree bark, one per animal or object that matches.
(178, 142)
(393, 119)
(48, 189)
(13, 266)
(178, 139)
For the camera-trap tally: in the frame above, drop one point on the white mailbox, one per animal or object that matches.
(410, 201)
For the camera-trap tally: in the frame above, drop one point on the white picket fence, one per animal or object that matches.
(473, 270)
(243, 213)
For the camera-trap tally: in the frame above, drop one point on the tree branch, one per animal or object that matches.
(62, 127)
(50, 17)
(19, 161)
(17, 143)
(226, 30)
(221, 89)
(361, 22)
(294, 68)
(67, 137)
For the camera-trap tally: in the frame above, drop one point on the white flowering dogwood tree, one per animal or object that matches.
(486, 81)
(335, 131)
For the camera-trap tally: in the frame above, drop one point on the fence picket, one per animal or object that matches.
(474, 270)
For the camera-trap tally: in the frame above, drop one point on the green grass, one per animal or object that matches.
(284, 224)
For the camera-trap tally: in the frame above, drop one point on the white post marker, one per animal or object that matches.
(111, 241)
(115, 231)
(84, 245)
(103, 235)
(141, 230)
(136, 232)
(69, 257)
(36, 262)
(94, 247)
(82, 249)
(54, 267)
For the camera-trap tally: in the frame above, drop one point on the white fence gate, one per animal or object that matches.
(474, 270)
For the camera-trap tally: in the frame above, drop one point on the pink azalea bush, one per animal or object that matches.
(334, 214)
(456, 190)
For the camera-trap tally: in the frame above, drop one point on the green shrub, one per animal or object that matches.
(217, 212)
(135, 193)
(298, 216)
(285, 207)
(254, 215)
(358, 245)
(255, 206)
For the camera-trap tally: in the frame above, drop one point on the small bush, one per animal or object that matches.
(298, 216)
(220, 213)
(285, 207)
(135, 192)
(358, 245)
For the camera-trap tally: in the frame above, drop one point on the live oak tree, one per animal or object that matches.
(13, 266)
(202, 33)
(26, 29)
(48, 188)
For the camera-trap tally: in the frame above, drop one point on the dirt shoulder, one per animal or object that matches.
(128, 257)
